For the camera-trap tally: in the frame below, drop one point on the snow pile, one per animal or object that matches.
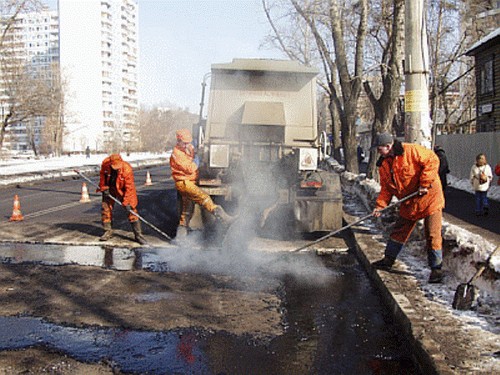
(16, 171)
(464, 252)
(493, 191)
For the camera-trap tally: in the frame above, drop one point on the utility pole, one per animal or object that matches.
(417, 118)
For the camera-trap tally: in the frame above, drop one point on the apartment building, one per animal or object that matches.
(32, 42)
(98, 57)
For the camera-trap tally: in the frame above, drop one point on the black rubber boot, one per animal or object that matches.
(108, 232)
(136, 227)
(436, 276)
(385, 263)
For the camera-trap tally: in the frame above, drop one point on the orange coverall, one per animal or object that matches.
(411, 167)
(123, 190)
(185, 175)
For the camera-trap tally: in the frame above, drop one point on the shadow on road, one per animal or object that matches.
(461, 204)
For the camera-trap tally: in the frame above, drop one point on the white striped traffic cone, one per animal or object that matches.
(148, 179)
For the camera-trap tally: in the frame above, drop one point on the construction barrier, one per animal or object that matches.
(85, 194)
(16, 211)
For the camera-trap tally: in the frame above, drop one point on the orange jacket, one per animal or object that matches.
(411, 167)
(182, 165)
(124, 190)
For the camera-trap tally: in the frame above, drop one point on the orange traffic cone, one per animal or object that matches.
(85, 194)
(16, 211)
(148, 179)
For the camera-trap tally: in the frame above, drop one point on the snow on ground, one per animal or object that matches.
(21, 170)
(459, 269)
(28, 165)
(468, 250)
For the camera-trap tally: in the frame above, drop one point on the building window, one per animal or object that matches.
(486, 76)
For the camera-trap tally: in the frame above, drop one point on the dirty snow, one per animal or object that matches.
(22, 170)
(369, 189)
(469, 250)
(476, 248)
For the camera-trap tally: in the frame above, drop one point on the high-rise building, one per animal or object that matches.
(98, 57)
(32, 42)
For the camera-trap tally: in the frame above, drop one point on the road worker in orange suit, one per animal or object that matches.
(405, 168)
(117, 180)
(184, 166)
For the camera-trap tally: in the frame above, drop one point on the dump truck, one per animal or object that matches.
(260, 148)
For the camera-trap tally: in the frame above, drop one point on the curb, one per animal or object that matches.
(440, 342)
(392, 288)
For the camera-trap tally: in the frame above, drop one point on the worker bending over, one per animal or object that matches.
(117, 181)
(405, 168)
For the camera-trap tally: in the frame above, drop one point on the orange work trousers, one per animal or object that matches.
(190, 192)
(107, 211)
(432, 230)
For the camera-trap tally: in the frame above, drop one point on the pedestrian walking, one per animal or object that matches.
(443, 166)
(87, 152)
(184, 165)
(405, 168)
(117, 181)
(480, 178)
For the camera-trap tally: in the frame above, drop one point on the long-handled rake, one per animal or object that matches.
(354, 223)
(120, 203)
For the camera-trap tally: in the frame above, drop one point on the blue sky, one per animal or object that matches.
(180, 39)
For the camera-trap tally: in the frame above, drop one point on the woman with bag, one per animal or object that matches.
(480, 178)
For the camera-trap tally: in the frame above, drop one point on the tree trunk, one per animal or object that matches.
(385, 107)
(336, 140)
(2, 134)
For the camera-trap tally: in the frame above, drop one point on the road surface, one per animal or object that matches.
(53, 213)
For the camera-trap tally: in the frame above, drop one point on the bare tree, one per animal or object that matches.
(53, 108)
(158, 126)
(17, 84)
(386, 35)
(453, 26)
(10, 11)
(339, 31)
(447, 65)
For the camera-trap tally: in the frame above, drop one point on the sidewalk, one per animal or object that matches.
(459, 210)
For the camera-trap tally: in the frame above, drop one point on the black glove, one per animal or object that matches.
(128, 208)
(105, 193)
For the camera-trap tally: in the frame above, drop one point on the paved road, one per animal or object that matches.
(53, 213)
(459, 210)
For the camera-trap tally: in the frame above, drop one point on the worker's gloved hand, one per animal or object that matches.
(376, 213)
(128, 208)
(105, 193)
(422, 190)
(196, 160)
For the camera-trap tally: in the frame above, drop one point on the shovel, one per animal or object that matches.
(467, 293)
(356, 222)
(132, 212)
